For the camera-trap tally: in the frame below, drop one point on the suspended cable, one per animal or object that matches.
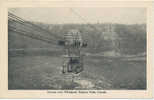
(38, 37)
(20, 20)
(14, 24)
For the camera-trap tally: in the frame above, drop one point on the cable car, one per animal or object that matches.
(73, 60)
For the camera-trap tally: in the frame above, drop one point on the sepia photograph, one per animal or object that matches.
(77, 48)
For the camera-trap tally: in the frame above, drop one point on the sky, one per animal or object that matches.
(63, 15)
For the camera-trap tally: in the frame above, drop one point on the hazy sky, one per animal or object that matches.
(91, 15)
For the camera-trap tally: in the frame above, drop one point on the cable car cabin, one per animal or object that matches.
(73, 60)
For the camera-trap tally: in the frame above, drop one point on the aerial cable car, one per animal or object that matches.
(73, 59)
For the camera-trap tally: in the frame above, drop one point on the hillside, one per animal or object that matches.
(128, 39)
